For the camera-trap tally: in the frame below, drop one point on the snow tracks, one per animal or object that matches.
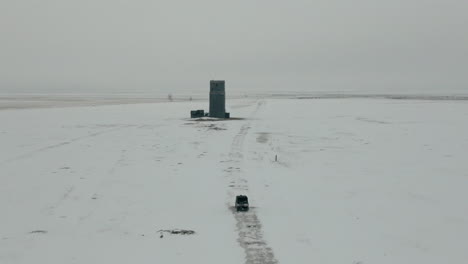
(249, 226)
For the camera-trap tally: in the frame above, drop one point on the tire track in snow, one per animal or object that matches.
(61, 144)
(107, 181)
(249, 226)
(251, 239)
(50, 210)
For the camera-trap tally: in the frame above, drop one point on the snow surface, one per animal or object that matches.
(355, 181)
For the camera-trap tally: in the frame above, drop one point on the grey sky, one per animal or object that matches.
(322, 45)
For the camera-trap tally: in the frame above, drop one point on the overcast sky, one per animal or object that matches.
(256, 45)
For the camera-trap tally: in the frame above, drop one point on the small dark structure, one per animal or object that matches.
(242, 203)
(197, 113)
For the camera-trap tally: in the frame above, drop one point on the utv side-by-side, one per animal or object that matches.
(242, 203)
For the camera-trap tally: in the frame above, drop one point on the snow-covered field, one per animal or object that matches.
(356, 181)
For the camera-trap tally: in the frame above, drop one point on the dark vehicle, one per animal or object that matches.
(242, 203)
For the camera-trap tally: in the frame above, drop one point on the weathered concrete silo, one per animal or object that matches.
(217, 99)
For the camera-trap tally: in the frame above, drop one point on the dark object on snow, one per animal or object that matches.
(177, 232)
(242, 203)
(38, 232)
(197, 113)
(227, 115)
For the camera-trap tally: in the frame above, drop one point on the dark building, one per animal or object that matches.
(197, 113)
(217, 99)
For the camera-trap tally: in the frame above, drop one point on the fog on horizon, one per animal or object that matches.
(160, 46)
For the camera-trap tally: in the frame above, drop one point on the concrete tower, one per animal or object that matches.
(217, 99)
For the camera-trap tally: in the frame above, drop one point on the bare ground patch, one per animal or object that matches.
(38, 232)
(263, 137)
(375, 121)
(177, 232)
(208, 119)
